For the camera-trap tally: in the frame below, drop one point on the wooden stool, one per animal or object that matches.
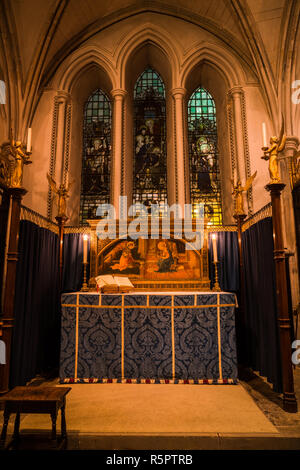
(35, 400)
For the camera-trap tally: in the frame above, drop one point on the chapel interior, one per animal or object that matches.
(136, 107)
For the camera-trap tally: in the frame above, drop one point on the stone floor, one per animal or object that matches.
(283, 431)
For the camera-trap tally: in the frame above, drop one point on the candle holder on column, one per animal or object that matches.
(85, 263)
(84, 285)
(216, 287)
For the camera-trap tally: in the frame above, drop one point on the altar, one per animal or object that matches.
(148, 337)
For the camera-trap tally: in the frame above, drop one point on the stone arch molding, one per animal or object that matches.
(81, 59)
(219, 58)
(181, 62)
(143, 35)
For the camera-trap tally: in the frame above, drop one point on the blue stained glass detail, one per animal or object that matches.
(96, 163)
(150, 165)
(203, 155)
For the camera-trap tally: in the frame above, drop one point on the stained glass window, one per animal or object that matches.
(203, 155)
(150, 169)
(95, 176)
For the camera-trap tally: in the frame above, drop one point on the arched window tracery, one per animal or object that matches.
(205, 186)
(96, 162)
(149, 161)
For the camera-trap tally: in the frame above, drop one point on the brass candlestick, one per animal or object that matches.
(216, 287)
(84, 285)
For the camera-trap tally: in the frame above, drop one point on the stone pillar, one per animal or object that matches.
(63, 136)
(236, 94)
(179, 145)
(117, 182)
(60, 143)
(289, 229)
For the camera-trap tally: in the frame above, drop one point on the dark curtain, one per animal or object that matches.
(36, 334)
(228, 257)
(261, 330)
(73, 262)
(4, 210)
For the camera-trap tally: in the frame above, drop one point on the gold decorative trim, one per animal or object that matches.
(173, 337)
(219, 337)
(122, 339)
(150, 306)
(222, 228)
(37, 219)
(76, 336)
(41, 221)
(77, 229)
(263, 213)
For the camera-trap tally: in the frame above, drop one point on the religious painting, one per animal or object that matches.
(150, 170)
(204, 162)
(161, 260)
(95, 183)
(122, 258)
(170, 260)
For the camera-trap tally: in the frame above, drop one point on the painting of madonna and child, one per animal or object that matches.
(153, 260)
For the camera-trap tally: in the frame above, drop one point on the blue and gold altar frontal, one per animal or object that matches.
(148, 338)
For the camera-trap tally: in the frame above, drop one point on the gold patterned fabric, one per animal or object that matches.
(143, 337)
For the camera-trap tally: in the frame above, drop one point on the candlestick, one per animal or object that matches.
(216, 287)
(85, 287)
(85, 240)
(264, 133)
(214, 240)
(29, 140)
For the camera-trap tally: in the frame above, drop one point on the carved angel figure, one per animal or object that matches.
(62, 193)
(276, 145)
(237, 192)
(14, 152)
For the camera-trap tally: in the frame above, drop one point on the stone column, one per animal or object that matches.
(117, 182)
(62, 136)
(291, 147)
(179, 145)
(60, 143)
(236, 94)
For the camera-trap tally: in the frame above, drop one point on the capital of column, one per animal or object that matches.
(291, 146)
(178, 93)
(235, 91)
(63, 96)
(118, 93)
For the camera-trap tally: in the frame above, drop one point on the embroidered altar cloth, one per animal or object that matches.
(142, 337)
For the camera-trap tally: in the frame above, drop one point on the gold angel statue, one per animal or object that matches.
(271, 154)
(237, 192)
(15, 153)
(62, 193)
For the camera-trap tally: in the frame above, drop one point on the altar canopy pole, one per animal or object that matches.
(284, 322)
(241, 309)
(61, 220)
(16, 195)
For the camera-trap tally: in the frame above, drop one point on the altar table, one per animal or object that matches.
(144, 337)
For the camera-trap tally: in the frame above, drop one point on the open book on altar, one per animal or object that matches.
(109, 283)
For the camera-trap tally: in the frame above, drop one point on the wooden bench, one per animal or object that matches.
(35, 400)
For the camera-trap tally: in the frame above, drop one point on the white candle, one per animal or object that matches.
(264, 133)
(214, 240)
(85, 240)
(29, 140)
